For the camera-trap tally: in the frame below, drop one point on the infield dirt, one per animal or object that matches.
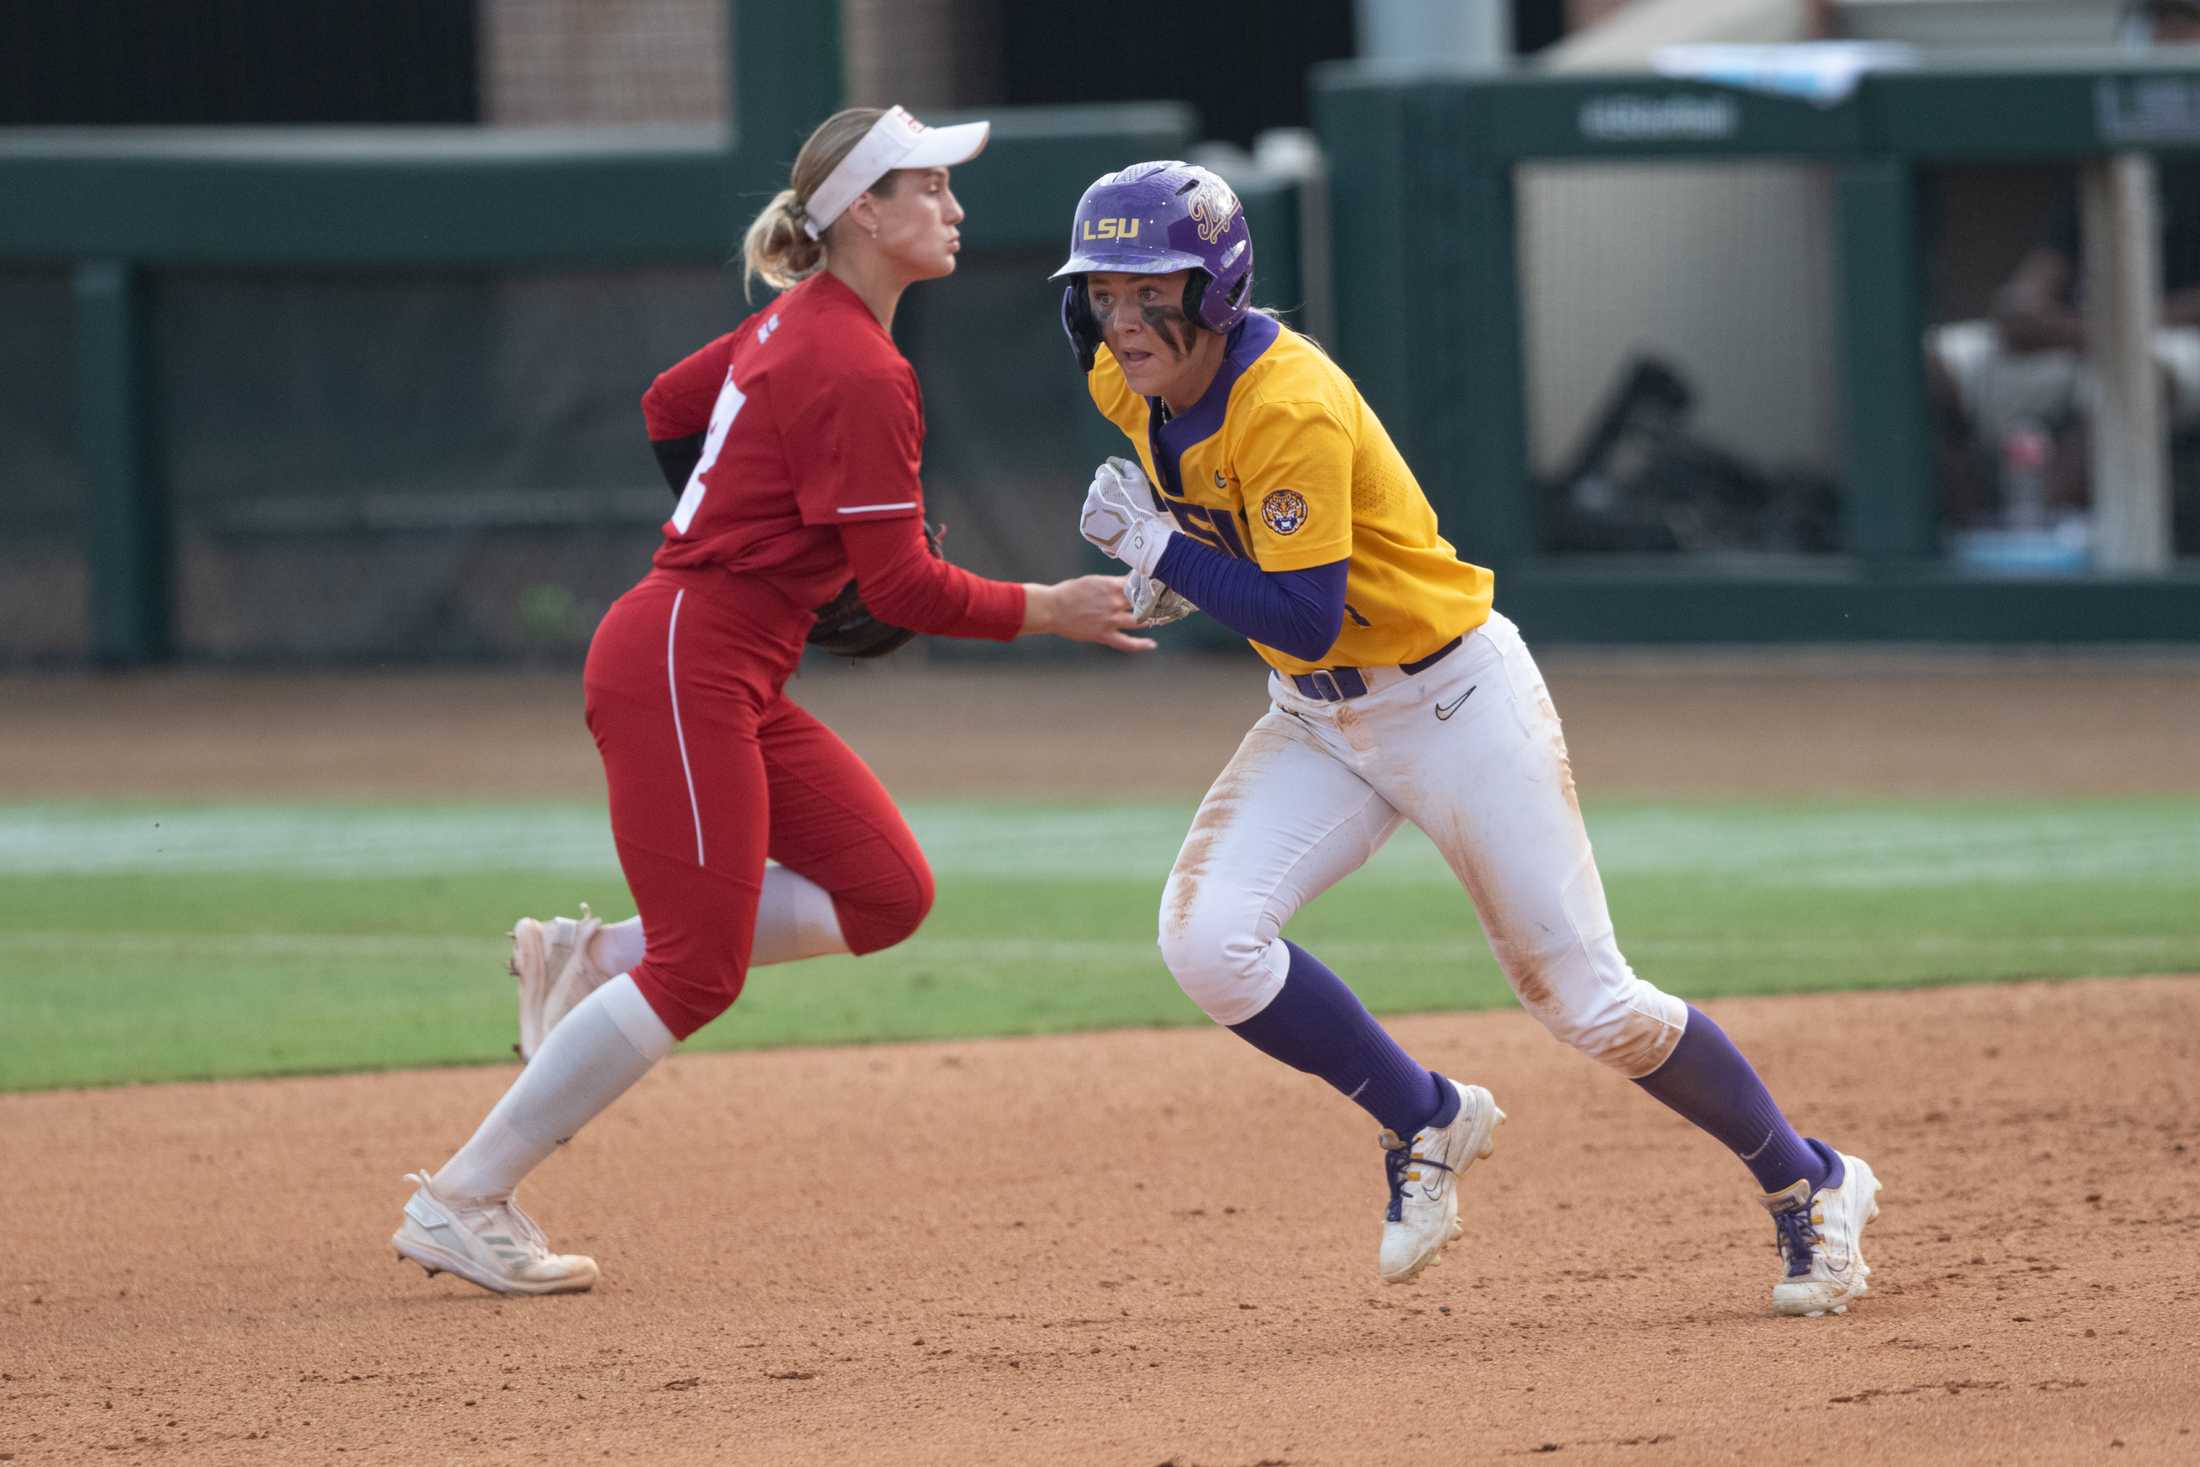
(1139, 1247)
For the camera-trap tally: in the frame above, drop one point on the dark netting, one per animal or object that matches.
(43, 613)
(414, 466)
(1010, 433)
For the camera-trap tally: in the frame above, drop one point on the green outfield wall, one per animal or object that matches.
(125, 257)
(148, 267)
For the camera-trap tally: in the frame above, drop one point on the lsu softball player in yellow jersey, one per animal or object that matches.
(1267, 494)
(1299, 474)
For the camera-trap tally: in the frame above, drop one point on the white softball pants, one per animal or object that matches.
(1315, 790)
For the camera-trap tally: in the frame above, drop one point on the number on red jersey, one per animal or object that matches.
(722, 415)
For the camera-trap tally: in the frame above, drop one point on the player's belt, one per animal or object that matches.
(1336, 684)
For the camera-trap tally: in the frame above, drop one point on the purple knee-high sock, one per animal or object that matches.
(1316, 1024)
(1707, 1080)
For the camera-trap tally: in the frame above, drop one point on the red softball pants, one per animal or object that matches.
(711, 770)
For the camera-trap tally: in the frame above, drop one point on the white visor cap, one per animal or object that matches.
(896, 140)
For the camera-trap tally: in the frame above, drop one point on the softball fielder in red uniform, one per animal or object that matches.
(806, 431)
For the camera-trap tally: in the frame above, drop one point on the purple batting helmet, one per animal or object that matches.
(1154, 219)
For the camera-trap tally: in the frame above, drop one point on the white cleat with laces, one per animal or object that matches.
(1821, 1240)
(1424, 1181)
(486, 1241)
(542, 955)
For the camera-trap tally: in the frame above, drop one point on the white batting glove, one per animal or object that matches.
(1134, 479)
(1119, 516)
(1153, 604)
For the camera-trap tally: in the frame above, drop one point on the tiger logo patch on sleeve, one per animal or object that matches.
(1284, 511)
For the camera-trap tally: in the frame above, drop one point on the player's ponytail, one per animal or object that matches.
(777, 247)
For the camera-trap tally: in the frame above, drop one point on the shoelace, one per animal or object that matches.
(528, 1227)
(1394, 1165)
(479, 1215)
(582, 938)
(1796, 1239)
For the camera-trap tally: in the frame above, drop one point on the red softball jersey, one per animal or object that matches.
(814, 424)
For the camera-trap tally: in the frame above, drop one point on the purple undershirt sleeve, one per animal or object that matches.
(1299, 612)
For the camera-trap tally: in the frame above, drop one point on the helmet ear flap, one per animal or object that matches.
(1079, 324)
(1217, 314)
(1195, 291)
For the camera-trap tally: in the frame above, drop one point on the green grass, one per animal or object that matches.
(146, 943)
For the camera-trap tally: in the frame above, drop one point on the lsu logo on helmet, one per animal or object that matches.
(1283, 511)
(1214, 205)
(1111, 229)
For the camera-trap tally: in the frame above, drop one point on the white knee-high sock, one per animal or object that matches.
(618, 948)
(610, 1040)
(794, 920)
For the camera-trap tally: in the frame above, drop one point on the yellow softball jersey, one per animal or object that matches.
(1282, 462)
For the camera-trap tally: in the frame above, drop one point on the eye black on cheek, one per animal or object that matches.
(1171, 325)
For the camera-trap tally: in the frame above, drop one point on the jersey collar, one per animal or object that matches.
(841, 296)
(1248, 340)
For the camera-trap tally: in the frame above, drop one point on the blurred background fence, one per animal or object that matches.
(1647, 321)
